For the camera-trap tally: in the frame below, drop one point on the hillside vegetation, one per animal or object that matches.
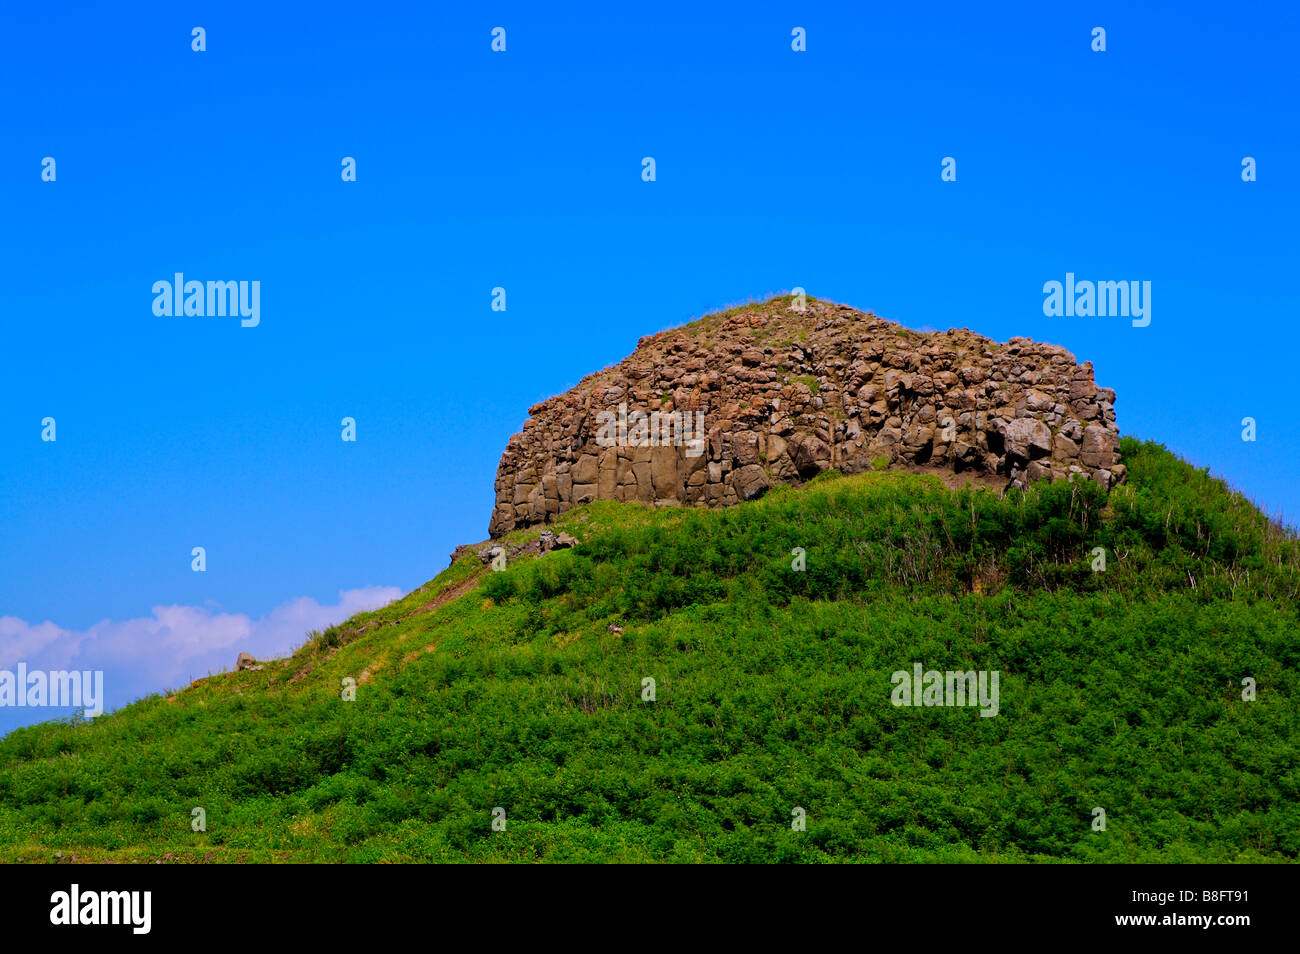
(522, 690)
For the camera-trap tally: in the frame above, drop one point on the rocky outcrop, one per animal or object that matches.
(720, 410)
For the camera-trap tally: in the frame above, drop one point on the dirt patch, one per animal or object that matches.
(445, 596)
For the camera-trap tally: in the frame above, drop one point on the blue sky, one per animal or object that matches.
(522, 169)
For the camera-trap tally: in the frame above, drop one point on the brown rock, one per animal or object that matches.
(1028, 438)
(826, 387)
(810, 454)
(1098, 448)
(750, 481)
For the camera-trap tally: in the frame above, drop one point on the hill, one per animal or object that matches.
(523, 690)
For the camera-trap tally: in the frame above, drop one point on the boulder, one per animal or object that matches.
(1027, 438)
(810, 454)
(1098, 449)
(750, 481)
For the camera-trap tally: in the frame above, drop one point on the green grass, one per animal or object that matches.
(808, 381)
(516, 689)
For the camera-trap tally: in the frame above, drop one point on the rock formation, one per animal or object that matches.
(719, 410)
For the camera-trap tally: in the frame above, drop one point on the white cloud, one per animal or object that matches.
(177, 643)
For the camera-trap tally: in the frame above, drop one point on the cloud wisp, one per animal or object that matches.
(171, 647)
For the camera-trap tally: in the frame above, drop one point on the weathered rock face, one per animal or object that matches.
(720, 410)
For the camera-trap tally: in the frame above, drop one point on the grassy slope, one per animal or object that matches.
(1118, 689)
